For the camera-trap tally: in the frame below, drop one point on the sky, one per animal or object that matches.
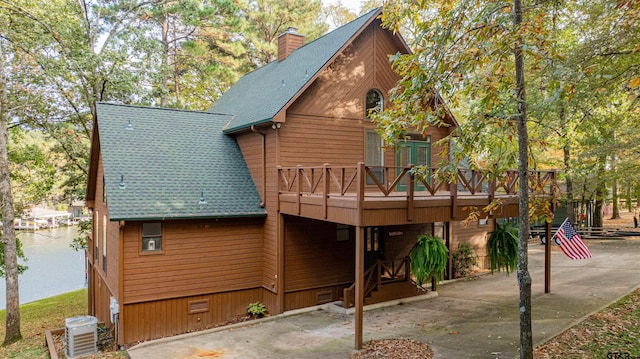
(353, 5)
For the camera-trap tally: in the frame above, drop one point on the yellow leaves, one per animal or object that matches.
(635, 82)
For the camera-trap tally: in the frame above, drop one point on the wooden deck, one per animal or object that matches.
(342, 195)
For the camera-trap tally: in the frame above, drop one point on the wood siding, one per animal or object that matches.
(398, 240)
(197, 257)
(104, 284)
(313, 257)
(161, 318)
(476, 235)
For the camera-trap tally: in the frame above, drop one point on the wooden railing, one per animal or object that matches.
(389, 271)
(364, 181)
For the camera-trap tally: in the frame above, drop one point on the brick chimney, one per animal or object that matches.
(288, 41)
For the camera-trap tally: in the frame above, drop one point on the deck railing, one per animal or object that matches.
(364, 181)
(389, 271)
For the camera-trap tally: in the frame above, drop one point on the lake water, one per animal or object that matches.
(54, 267)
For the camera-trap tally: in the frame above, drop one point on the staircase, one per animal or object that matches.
(384, 281)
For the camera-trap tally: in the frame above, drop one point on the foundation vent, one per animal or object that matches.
(324, 297)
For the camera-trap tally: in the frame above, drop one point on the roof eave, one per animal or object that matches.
(246, 127)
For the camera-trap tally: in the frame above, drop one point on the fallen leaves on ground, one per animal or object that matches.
(615, 329)
(394, 349)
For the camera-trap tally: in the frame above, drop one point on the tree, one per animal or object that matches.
(10, 247)
(267, 19)
(472, 52)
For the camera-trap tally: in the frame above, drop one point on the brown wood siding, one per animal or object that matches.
(327, 123)
(198, 257)
(398, 240)
(313, 257)
(105, 284)
(161, 318)
(474, 234)
(270, 248)
(102, 296)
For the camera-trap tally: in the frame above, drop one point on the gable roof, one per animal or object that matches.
(260, 95)
(168, 159)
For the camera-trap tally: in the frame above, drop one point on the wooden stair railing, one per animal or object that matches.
(395, 270)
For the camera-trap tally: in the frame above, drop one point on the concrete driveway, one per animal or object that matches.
(474, 318)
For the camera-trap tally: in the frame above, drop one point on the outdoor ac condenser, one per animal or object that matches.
(81, 335)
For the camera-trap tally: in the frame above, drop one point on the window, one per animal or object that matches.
(374, 102)
(374, 156)
(104, 243)
(343, 232)
(374, 150)
(96, 234)
(152, 237)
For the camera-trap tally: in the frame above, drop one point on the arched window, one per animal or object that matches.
(374, 102)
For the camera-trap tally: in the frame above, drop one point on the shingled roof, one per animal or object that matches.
(260, 95)
(165, 163)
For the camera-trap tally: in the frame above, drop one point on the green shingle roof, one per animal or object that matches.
(168, 161)
(258, 96)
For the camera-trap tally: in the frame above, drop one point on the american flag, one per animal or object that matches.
(570, 242)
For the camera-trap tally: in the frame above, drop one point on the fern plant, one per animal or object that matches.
(502, 248)
(428, 258)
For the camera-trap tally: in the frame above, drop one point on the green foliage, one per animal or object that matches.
(428, 258)
(463, 259)
(20, 254)
(80, 242)
(257, 309)
(502, 247)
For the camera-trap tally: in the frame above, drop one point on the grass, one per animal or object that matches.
(37, 317)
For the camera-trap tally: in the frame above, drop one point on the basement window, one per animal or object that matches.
(152, 237)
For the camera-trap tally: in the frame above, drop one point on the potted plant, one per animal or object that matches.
(428, 258)
(502, 247)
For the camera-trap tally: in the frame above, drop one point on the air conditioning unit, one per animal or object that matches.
(81, 336)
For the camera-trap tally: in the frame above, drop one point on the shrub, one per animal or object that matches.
(463, 259)
(257, 310)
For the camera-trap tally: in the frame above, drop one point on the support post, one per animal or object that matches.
(547, 258)
(280, 264)
(447, 240)
(359, 285)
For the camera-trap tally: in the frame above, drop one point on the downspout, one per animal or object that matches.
(264, 164)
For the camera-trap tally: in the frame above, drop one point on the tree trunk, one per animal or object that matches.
(566, 149)
(615, 211)
(524, 278)
(164, 69)
(12, 324)
(600, 193)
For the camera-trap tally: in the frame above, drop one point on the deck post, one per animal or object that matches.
(410, 195)
(547, 245)
(547, 258)
(360, 186)
(447, 241)
(359, 286)
(280, 264)
(453, 190)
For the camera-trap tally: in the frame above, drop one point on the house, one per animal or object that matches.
(281, 193)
